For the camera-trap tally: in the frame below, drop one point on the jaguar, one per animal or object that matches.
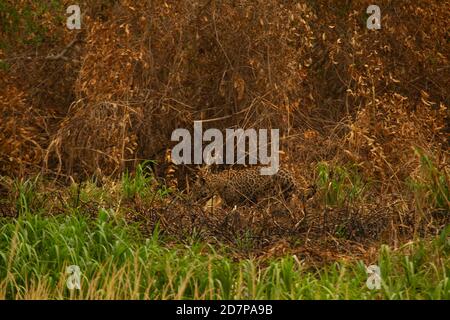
(245, 186)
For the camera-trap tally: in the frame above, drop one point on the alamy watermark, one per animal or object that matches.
(74, 20)
(74, 279)
(373, 277)
(190, 150)
(374, 20)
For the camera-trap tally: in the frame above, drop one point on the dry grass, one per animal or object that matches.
(358, 110)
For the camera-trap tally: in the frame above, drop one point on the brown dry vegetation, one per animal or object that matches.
(342, 95)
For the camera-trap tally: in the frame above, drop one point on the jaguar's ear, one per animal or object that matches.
(203, 171)
(199, 175)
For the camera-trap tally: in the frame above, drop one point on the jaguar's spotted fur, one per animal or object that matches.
(237, 187)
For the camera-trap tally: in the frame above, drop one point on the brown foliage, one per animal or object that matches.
(99, 100)
(141, 70)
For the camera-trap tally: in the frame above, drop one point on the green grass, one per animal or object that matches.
(84, 226)
(431, 186)
(27, 196)
(339, 185)
(116, 262)
(137, 184)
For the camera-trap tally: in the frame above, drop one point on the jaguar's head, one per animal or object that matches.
(202, 190)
